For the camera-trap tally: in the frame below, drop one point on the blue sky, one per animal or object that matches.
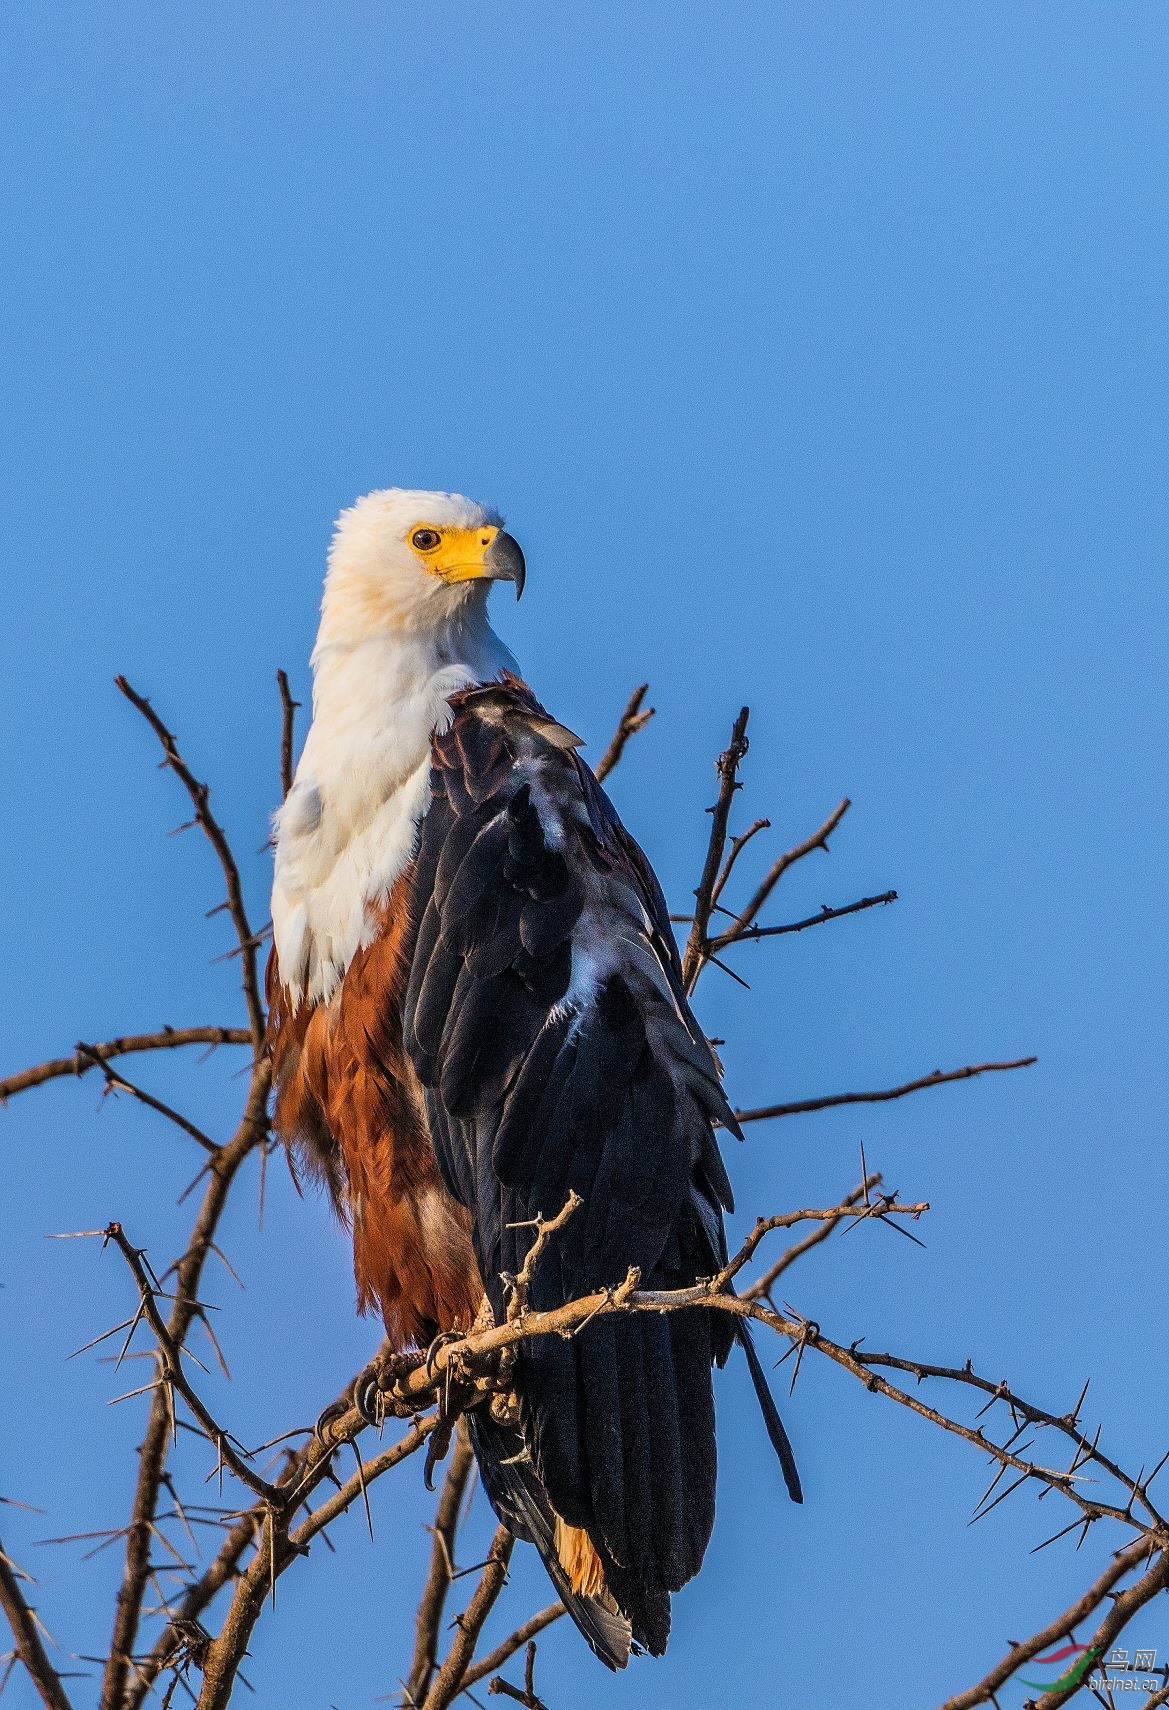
(817, 355)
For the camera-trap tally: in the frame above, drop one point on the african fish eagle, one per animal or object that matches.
(476, 1007)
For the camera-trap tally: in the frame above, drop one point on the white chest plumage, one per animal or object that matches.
(350, 824)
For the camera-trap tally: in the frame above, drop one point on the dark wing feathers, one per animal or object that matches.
(546, 1020)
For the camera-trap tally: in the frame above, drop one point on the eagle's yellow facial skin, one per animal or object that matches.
(458, 554)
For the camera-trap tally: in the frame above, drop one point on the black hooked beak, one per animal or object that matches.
(504, 562)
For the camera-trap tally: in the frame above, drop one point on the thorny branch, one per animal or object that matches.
(26, 1633)
(170, 1367)
(200, 795)
(152, 1454)
(87, 1057)
(705, 944)
(448, 1682)
(938, 1078)
(278, 1547)
(761, 1288)
(697, 951)
(262, 1542)
(442, 1570)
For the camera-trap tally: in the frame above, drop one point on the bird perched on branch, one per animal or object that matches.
(476, 1010)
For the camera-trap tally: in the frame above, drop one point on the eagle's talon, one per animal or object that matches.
(440, 1341)
(367, 1398)
(436, 1448)
(323, 1429)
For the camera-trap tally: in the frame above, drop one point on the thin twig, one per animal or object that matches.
(762, 1286)
(633, 719)
(116, 1082)
(171, 1369)
(765, 1112)
(545, 1228)
(288, 710)
(754, 933)
(695, 956)
(87, 1057)
(523, 1634)
(738, 844)
(200, 795)
(748, 915)
(828, 1216)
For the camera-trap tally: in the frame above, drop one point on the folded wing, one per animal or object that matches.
(546, 1021)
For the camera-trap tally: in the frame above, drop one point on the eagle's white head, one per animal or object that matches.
(403, 628)
(404, 562)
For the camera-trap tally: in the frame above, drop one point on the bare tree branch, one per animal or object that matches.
(1124, 1606)
(303, 1471)
(448, 1682)
(546, 1228)
(261, 1542)
(288, 709)
(116, 1082)
(152, 1454)
(29, 1645)
(523, 1634)
(938, 1078)
(525, 1695)
(633, 719)
(761, 1288)
(738, 844)
(171, 1371)
(696, 953)
(87, 1057)
(752, 934)
(278, 1548)
(200, 795)
(748, 915)
(442, 1569)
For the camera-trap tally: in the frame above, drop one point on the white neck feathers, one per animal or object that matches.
(350, 824)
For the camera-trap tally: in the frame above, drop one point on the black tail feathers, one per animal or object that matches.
(518, 1498)
(518, 1495)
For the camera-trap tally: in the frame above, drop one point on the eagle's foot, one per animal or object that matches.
(323, 1430)
(369, 1395)
(456, 1390)
(431, 1354)
(504, 1407)
(365, 1396)
(369, 1400)
(373, 1393)
(440, 1442)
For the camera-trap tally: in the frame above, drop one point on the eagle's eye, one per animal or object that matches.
(425, 539)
